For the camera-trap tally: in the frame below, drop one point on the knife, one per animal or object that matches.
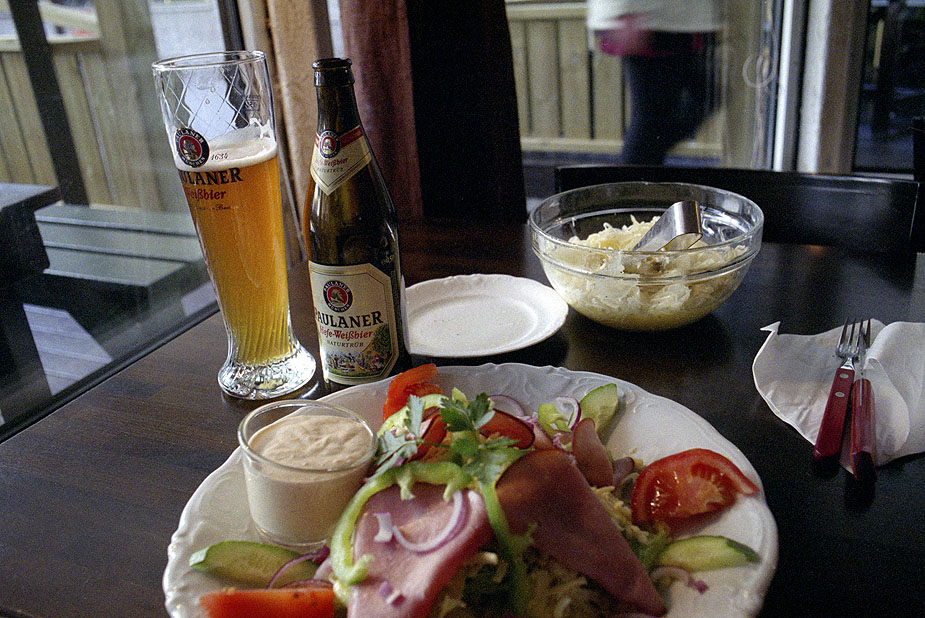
(863, 438)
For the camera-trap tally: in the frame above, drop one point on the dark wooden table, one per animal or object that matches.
(90, 495)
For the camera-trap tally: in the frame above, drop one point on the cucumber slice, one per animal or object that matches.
(551, 420)
(251, 563)
(706, 553)
(601, 404)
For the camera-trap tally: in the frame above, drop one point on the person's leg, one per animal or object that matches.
(669, 99)
(697, 101)
(655, 98)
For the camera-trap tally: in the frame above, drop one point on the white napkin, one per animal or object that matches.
(793, 373)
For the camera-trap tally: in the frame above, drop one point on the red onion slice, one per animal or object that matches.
(390, 595)
(309, 583)
(281, 570)
(388, 531)
(384, 535)
(509, 405)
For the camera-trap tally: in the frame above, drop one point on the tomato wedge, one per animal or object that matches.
(509, 426)
(686, 484)
(434, 430)
(310, 602)
(414, 381)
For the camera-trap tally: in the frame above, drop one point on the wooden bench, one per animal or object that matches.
(106, 263)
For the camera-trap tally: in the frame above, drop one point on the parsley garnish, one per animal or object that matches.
(398, 445)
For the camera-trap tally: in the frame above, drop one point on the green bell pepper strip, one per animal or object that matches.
(512, 549)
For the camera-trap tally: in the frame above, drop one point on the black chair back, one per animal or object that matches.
(871, 214)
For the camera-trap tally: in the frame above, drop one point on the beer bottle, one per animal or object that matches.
(351, 231)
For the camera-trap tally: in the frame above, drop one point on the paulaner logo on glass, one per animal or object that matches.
(191, 147)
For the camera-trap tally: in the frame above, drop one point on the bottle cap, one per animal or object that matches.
(333, 72)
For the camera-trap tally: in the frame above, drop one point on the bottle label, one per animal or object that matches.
(355, 315)
(336, 158)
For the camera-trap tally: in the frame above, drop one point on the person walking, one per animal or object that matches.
(667, 51)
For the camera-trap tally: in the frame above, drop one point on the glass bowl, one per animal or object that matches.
(644, 290)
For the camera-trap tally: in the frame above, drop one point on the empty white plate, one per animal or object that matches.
(480, 315)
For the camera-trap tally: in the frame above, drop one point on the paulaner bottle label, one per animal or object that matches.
(336, 158)
(355, 315)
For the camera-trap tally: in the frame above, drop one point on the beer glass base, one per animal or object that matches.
(267, 381)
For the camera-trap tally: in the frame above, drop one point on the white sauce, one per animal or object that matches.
(312, 442)
(323, 462)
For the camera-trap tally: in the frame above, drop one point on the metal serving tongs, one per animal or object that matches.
(678, 228)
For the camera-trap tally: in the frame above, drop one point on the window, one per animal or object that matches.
(892, 89)
(78, 113)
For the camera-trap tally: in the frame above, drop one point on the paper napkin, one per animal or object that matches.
(793, 373)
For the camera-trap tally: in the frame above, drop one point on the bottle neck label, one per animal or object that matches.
(336, 158)
(355, 315)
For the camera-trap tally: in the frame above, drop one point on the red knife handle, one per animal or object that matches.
(863, 436)
(828, 442)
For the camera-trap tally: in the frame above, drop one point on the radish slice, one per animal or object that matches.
(509, 405)
(570, 409)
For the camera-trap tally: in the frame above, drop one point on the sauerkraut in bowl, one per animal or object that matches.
(583, 238)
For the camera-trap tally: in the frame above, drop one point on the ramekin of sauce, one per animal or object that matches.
(303, 461)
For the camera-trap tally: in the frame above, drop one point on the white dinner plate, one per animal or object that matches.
(647, 426)
(467, 316)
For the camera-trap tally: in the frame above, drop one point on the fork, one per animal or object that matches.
(829, 440)
(863, 455)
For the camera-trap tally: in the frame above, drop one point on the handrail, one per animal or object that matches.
(63, 43)
(65, 16)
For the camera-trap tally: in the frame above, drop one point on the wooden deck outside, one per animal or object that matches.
(571, 98)
(105, 80)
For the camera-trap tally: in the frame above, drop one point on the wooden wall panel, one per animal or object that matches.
(542, 60)
(83, 129)
(35, 148)
(12, 141)
(574, 84)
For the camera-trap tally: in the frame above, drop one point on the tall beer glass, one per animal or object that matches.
(218, 112)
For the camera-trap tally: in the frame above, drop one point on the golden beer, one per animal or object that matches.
(234, 200)
(218, 114)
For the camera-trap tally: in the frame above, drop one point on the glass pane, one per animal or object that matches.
(893, 86)
(124, 268)
(577, 95)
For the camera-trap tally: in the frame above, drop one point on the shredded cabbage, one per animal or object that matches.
(613, 295)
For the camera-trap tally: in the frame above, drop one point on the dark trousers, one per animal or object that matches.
(669, 98)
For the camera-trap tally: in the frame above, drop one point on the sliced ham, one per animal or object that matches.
(402, 583)
(590, 454)
(546, 489)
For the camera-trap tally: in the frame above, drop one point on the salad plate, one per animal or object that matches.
(646, 426)
(467, 316)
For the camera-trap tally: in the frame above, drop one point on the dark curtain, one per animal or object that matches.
(435, 82)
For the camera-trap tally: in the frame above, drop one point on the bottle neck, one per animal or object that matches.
(337, 109)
